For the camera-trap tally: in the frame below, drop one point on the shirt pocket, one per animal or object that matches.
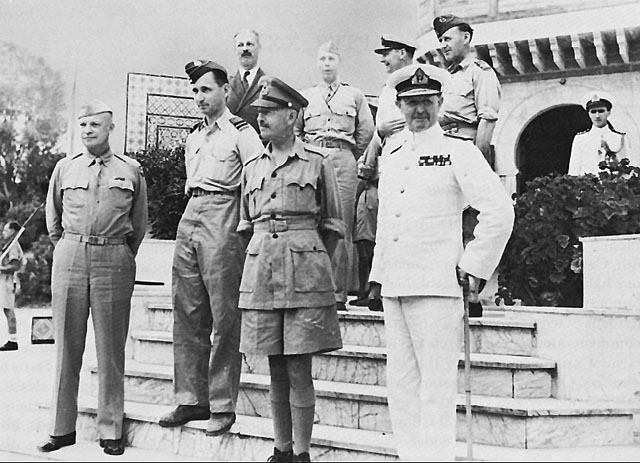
(300, 193)
(314, 121)
(311, 265)
(251, 265)
(120, 192)
(254, 190)
(75, 192)
(343, 117)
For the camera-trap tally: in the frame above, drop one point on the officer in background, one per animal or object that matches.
(208, 259)
(472, 101)
(291, 213)
(427, 177)
(339, 121)
(601, 141)
(244, 88)
(96, 216)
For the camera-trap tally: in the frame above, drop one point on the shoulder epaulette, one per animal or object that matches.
(238, 122)
(396, 148)
(344, 83)
(314, 149)
(197, 126)
(618, 132)
(584, 131)
(482, 64)
(252, 159)
(456, 136)
(77, 156)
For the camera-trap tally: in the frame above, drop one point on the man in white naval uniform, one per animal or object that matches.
(600, 141)
(426, 180)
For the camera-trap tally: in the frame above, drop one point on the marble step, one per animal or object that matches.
(498, 375)
(519, 423)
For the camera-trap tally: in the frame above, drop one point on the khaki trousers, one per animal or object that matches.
(423, 347)
(97, 278)
(207, 269)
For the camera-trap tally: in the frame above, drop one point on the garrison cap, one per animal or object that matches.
(94, 107)
(329, 47)
(443, 23)
(275, 93)
(391, 42)
(418, 79)
(198, 68)
(598, 97)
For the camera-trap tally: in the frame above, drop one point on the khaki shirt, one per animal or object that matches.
(214, 154)
(344, 116)
(473, 94)
(104, 197)
(291, 209)
(426, 181)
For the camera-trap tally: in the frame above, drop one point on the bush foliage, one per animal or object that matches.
(542, 264)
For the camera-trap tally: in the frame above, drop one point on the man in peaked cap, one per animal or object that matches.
(427, 177)
(601, 141)
(244, 88)
(292, 215)
(338, 121)
(208, 258)
(96, 231)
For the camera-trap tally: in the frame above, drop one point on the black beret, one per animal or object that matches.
(443, 23)
(198, 68)
(275, 93)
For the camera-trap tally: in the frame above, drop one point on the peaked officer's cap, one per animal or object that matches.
(598, 97)
(275, 93)
(329, 47)
(418, 79)
(391, 42)
(443, 23)
(198, 68)
(94, 107)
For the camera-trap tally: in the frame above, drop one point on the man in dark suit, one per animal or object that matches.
(244, 84)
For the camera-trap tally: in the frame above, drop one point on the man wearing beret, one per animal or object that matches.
(338, 120)
(292, 215)
(96, 217)
(472, 101)
(598, 143)
(208, 259)
(427, 177)
(244, 88)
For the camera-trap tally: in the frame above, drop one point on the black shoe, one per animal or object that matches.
(219, 423)
(112, 446)
(57, 442)
(376, 305)
(281, 457)
(341, 307)
(304, 456)
(183, 414)
(360, 302)
(9, 345)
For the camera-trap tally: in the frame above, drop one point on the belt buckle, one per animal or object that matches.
(276, 225)
(96, 240)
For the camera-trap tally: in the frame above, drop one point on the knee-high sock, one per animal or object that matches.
(280, 407)
(302, 401)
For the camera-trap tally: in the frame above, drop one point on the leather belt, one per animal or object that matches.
(93, 240)
(461, 130)
(333, 143)
(200, 192)
(284, 224)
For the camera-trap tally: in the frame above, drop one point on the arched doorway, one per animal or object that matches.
(544, 146)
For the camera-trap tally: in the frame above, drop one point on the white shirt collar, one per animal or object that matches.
(252, 74)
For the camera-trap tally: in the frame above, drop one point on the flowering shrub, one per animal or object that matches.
(542, 264)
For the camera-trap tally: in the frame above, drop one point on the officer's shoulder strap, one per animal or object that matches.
(456, 136)
(344, 83)
(76, 156)
(314, 149)
(238, 122)
(197, 126)
(482, 64)
(614, 130)
(584, 131)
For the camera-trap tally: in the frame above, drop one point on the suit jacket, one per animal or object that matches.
(239, 102)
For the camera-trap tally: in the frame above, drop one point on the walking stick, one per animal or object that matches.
(467, 372)
(5, 251)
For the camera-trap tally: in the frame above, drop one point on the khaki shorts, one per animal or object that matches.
(290, 331)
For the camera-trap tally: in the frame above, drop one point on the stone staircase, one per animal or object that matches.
(514, 409)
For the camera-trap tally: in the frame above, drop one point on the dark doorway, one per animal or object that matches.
(544, 146)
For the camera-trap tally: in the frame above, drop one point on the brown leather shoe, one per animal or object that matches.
(57, 442)
(112, 446)
(183, 414)
(219, 423)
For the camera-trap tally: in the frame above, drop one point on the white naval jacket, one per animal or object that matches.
(426, 181)
(587, 149)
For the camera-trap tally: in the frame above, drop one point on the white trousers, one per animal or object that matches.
(423, 346)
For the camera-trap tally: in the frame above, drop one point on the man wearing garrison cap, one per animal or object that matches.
(291, 213)
(96, 217)
(427, 177)
(338, 121)
(208, 258)
(601, 142)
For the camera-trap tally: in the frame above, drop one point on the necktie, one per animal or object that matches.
(245, 80)
(329, 94)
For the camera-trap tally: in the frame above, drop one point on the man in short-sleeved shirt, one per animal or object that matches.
(10, 264)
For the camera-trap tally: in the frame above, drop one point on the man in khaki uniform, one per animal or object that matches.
(339, 121)
(97, 217)
(208, 259)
